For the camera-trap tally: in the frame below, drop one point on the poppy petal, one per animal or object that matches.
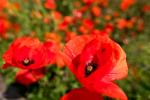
(8, 58)
(6, 65)
(28, 77)
(74, 48)
(81, 94)
(109, 89)
(24, 77)
(120, 70)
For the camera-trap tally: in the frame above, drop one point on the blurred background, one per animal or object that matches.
(126, 21)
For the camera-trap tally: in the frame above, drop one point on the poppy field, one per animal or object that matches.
(74, 49)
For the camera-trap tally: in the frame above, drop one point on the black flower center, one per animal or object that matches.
(27, 62)
(90, 68)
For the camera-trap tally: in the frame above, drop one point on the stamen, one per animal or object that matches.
(90, 68)
(27, 62)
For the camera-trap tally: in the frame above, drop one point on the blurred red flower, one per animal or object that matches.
(28, 53)
(28, 77)
(81, 94)
(146, 8)
(70, 35)
(4, 26)
(125, 4)
(57, 15)
(50, 4)
(88, 2)
(124, 23)
(65, 23)
(100, 32)
(88, 23)
(3, 4)
(103, 3)
(121, 23)
(109, 28)
(96, 11)
(97, 61)
(55, 38)
(87, 26)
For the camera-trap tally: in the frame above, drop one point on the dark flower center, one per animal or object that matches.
(90, 68)
(103, 50)
(27, 62)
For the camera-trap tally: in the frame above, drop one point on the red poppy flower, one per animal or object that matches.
(122, 23)
(3, 4)
(4, 26)
(50, 4)
(52, 36)
(146, 8)
(103, 3)
(125, 4)
(70, 35)
(97, 61)
(100, 32)
(57, 15)
(55, 38)
(88, 2)
(87, 26)
(108, 28)
(28, 77)
(64, 25)
(96, 11)
(81, 94)
(28, 53)
(88, 23)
